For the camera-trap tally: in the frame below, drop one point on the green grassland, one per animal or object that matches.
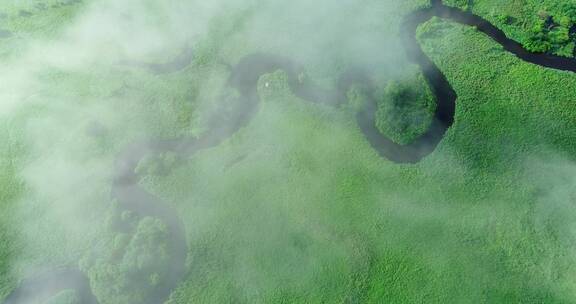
(465, 225)
(297, 207)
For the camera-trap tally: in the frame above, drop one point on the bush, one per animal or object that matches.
(357, 98)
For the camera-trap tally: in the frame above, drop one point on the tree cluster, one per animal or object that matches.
(131, 266)
(552, 33)
(406, 109)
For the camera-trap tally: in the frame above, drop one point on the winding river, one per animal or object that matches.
(244, 77)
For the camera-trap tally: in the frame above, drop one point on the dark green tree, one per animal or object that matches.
(130, 268)
(406, 109)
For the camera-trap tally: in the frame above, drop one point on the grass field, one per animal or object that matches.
(296, 207)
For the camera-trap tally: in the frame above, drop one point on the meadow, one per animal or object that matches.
(295, 207)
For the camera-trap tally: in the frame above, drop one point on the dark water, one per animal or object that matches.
(44, 286)
(244, 77)
(5, 34)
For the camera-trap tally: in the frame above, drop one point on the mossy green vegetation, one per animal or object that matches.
(431, 232)
(297, 207)
(406, 109)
